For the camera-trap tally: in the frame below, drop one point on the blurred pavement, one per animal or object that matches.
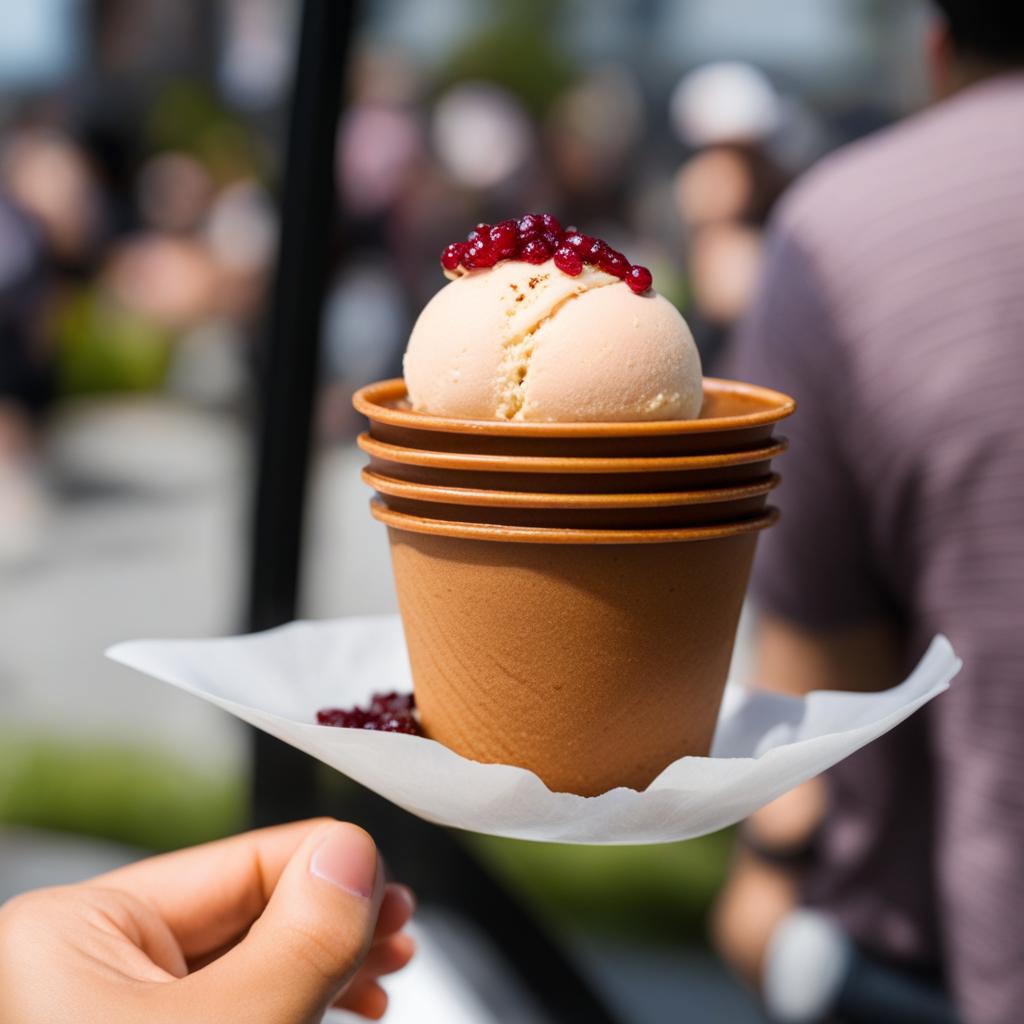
(147, 537)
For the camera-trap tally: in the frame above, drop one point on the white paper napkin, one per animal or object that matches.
(765, 744)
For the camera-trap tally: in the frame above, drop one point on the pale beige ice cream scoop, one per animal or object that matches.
(521, 341)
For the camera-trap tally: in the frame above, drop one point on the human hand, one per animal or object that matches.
(754, 900)
(761, 889)
(270, 927)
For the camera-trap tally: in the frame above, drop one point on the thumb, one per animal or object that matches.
(310, 939)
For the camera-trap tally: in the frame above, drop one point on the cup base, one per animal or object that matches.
(594, 666)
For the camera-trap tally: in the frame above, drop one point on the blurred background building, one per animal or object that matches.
(140, 158)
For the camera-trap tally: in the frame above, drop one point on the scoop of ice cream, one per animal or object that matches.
(521, 341)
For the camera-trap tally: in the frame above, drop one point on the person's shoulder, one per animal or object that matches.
(890, 174)
(850, 183)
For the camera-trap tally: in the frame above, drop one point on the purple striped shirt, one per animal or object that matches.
(892, 308)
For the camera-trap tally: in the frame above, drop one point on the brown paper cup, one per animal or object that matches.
(734, 416)
(573, 511)
(593, 658)
(562, 474)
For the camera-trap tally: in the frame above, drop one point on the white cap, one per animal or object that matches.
(481, 133)
(728, 101)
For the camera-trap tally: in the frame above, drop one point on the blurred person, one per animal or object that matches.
(49, 176)
(171, 281)
(379, 149)
(731, 116)
(52, 224)
(724, 260)
(173, 192)
(26, 379)
(240, 235)
(381, 142)
(891, 308)
(270, 927)
(725, 191)
(192, 279)
(241, 227)
(255, 57)
(724, 195)
(728, 181)
(593, 133)
(481, 134)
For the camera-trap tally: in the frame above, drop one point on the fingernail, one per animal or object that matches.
(347, 858)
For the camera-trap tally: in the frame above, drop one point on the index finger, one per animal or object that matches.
(210, 894)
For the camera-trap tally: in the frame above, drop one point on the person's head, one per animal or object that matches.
(974, 39)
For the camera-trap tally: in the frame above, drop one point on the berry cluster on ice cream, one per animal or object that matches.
(545, 324)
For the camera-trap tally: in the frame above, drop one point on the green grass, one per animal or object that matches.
(134, 796)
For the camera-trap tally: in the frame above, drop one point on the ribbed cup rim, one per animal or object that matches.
(550, 535)
(479, 497)
(565, 463)
(380, 402)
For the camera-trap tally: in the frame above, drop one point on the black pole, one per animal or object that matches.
(283, 785)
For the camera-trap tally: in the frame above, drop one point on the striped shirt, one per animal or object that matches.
(892, 308)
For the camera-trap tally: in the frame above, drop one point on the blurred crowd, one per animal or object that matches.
(126, 265)
(135, 247)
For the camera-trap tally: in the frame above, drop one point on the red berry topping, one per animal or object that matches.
(536, 250)
(639, 279)
(612, 262)
(591, 252)
(479, 255)
(535, 238)
(529, 225)
(568, 261)
(576, 240)
(451, 257)
(388, 712)
(504, 239)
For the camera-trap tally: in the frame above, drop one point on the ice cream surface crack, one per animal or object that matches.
(518, 353)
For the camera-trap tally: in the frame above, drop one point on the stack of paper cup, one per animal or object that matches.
(570, 591)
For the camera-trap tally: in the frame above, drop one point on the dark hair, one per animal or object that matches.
(990, 29)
